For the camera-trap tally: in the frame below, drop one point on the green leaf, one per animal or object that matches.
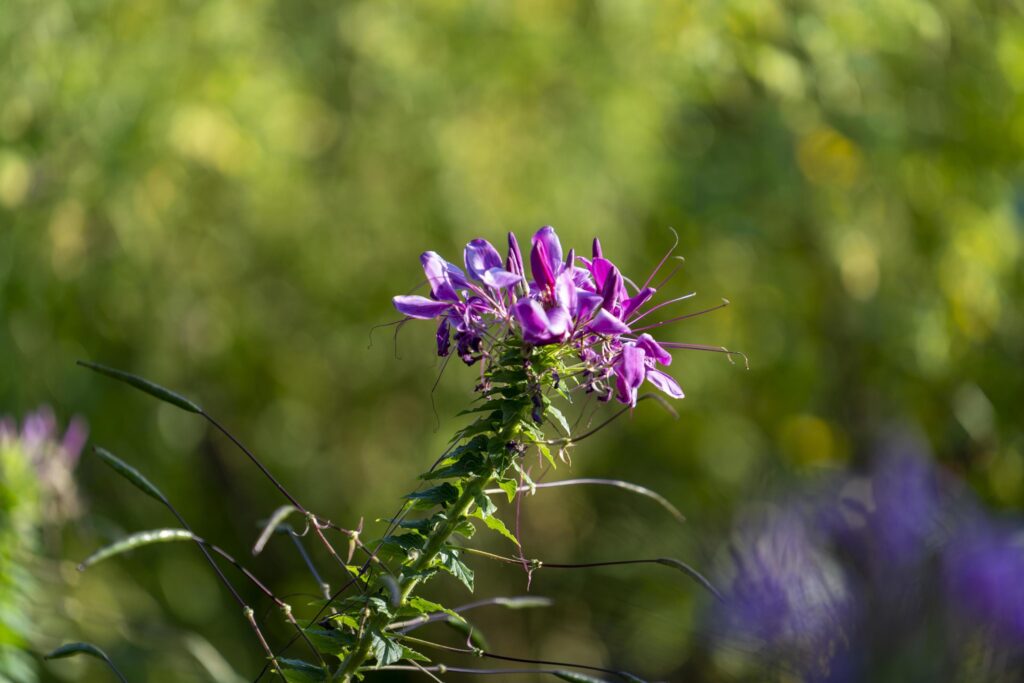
(417, 606)
(450, 562)
(72, 649)
(409, 653)
(445, 494)
(464, 528)
(546, 452)
(137, 541)
(424, 525)
(510, 487)
(386, 650)
(471, 463)
(331, 641)
(495, 524)
(560, 419)
(280, 514)
(130, 473)
(485, 506)
(154, 390)
(298, 671)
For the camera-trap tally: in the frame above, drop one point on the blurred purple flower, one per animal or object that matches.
(786, 591)
(983, 568)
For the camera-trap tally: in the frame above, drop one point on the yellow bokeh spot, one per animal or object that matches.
(807, 440)
(828, 158)
(858, 265)
(15, 179)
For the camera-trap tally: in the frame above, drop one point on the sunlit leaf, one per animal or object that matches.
(137, 540)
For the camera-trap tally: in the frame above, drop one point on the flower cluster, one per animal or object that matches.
(580, 303)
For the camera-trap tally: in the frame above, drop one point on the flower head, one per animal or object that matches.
(583, 304)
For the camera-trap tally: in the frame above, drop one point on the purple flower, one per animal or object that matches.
(984, 578)
(462, 305)
(785, 591)
(583, 304)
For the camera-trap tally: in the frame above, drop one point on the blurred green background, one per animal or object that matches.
(224, 195)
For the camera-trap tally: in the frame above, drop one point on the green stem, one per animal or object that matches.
(435, 543)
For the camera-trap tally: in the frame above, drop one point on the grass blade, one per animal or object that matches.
(137, 541)
(73, 649)
(130, 473)
(154, 390)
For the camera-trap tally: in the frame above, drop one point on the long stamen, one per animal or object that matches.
(713, 349)
(663, 258)
(725, 302)
(671, 275)
(639, 315)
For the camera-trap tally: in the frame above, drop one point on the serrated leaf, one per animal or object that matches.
(137, 540)
(144, 385)
(465, 529)
(546, 452)
(417, 606)
(423, 526)
(451, 563)
(298, 671)
(130, 473)
(495, 524)
(409, 653)
(73, 649)
(560, 419)
(445, 494)
(331, 641)
(280, 514)
(510, 487)
(485, 506)
(471, 463)
(386, 650)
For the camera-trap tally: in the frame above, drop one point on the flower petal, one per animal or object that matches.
(444, 342)
(606, 323)
(629, 371)
(439, 276)
(532, 319)
(665, 382)
(480, 256)
(546, 257)
(586, 304)
(420, 306)
(499, 278)
(633, 303)
(653, 349)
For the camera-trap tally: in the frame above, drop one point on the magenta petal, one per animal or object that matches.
(439, 276)
(630, 371)
(586, 304)
(565, 291)
(633, 303)
(420, 306)
(545, 257)
(480, 256)
(532, 319)
(653, 349)
(559, 323)
(499, 278)
(606, 323)
(596, 251)
(665, 382)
